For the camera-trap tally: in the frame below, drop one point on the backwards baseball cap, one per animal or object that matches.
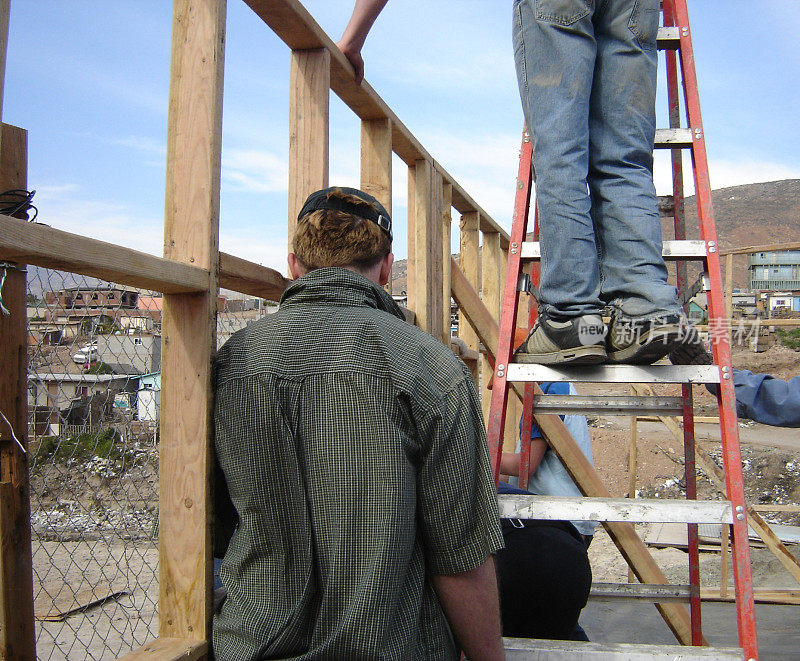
(323, 199)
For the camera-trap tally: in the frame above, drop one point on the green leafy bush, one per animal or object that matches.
(789, 338)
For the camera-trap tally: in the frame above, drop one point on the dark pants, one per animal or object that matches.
(544, 579)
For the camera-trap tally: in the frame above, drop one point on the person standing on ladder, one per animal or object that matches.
(587, 76)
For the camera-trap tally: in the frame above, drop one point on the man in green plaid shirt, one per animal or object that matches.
(353, 450)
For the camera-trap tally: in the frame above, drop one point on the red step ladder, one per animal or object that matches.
(675, 39)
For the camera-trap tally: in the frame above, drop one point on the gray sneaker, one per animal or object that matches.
(643, 342)
(578, 341)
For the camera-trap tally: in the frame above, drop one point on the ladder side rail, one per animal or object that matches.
(508, 313)
(726, 398)
(679, 224)
(693, 542)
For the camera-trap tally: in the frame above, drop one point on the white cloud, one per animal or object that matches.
(254, 171)
(270, 253)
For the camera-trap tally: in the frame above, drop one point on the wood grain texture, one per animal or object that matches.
(191, 235)
(169, 649)
(468, 260)
(247, 277)
(4, 16)
(376, 160)
(32, 243)
(491, 258)
(309, 96)
(17, 639)
(447, 221)
(425, 240)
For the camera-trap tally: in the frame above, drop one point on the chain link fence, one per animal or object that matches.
(94, 381)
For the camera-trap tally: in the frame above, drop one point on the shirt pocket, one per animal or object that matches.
(562, 12)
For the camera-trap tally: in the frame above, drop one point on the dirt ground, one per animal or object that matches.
(114, 551)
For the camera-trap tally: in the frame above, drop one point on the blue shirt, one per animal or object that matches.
(551, 478)
(768, 400)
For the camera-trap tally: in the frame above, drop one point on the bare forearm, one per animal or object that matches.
(471, 604)
(510, 461)
(364, 14)
(355, 34)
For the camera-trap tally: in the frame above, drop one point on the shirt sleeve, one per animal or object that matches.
(767, 400)
(456, 496)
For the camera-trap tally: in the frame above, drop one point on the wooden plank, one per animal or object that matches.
(376, 164)
(4, 16)
(769, 247)
(729, 286)
(169, 649)
(296, 27)
(447, 221)
(309, 100)
(425, 248)
(491, 284)
(32, 243)
(468, 259)
(17, 639)
(191, 235)
(240, 275)
(586, 477)
(530, 649)
(663, 510)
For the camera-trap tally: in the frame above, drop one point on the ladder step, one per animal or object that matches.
(639, 592)
(669, 38)
(677, 138)
(671, 250)
(615, 373)
(532, 649)
(607, 404)
(634, 510)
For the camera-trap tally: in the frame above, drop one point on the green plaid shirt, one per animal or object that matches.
(354, 453)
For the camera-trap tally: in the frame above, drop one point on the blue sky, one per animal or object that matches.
(89, 80)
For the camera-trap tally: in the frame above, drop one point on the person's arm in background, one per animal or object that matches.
(510, 461)
(470, 603)
(767, 400)
(759, 397)
(355, 34)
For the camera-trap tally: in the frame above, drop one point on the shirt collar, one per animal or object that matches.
(339, 286)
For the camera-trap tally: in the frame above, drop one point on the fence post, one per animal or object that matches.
(309, 102)
(17, 638)
(191, 235)
(491, 284)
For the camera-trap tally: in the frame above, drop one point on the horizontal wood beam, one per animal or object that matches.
(33, 243)
(297, 28)
(770, 247)
(169, 649)
(247, 277)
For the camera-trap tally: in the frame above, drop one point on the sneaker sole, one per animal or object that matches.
(652, 347)
(590, 355)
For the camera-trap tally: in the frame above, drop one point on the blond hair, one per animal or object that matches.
(328, 237)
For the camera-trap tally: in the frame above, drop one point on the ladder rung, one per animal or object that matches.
(677, 138)
(607, 404)
(669, 38)
(634, 510)
(615, 373)
(671, 250)
(533, 649)
(639, 592)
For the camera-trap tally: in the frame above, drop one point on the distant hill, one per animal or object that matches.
(749, 215)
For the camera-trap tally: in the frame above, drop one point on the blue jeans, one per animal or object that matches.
(587, 77)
